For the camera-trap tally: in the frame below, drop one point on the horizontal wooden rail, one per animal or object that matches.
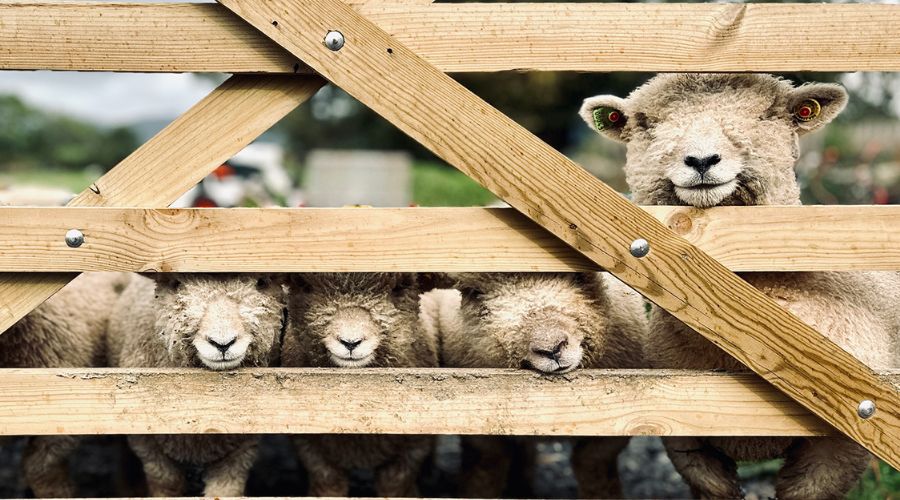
(839, 238)
(397, 401)
(468, 37)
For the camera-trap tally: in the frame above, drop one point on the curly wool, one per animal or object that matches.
(153, 325)
(752, 120)
(498, 318)
(486, 331)
(66, 331)
(389, 301)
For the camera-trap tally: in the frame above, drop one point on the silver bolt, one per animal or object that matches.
(334, 40)
(640, 247)
(74, 238)
(866, 409)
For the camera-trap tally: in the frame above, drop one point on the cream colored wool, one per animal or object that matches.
(66, 331)
(171, 323)
(553, 323)
(376, 314)
(751, 122)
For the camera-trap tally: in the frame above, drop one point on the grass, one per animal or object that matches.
(880, 482)
(73, 180)
(436, 185)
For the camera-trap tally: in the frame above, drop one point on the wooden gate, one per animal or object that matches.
(394, 59)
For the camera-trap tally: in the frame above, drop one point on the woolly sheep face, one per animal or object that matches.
(351, 315)
(541, 320)
(220, 321)
(714, 139)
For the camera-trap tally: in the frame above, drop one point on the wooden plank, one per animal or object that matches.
(469, 37)
(585, 213)
(409, 401)
(173, 161)
(795, 238)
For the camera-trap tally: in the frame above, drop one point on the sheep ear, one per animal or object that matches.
(814, 105)
(605, 114)
(590, 282)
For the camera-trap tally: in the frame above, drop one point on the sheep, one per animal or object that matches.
(213, 321)
(552, 323)
(708, 140)
(351, 321)
(66, 331)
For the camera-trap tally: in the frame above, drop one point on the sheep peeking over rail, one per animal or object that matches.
(212, 321)
(732, 139)
(552, 323)
(356, 320)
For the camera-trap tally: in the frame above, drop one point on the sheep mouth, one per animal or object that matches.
(352, 361)
(222, 363)
(705, 195)
(555, 371)
(706, 186)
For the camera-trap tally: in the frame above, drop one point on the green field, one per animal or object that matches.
(73, 180)
(436, 185)
(880, 482)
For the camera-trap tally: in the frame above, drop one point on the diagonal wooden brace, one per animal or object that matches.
(584, 212)
(173, 161)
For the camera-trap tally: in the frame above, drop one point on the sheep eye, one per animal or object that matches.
(471, 293)
(174, 284)
(263, 283)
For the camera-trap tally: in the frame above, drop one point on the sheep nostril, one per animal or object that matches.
(222, 347)
(543, 352)
(350, 344)
(702, 165)
(559, 347)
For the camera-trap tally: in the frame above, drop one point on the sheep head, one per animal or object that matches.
(355, 319)
(714, 139)
(542, 321)
(220, 321)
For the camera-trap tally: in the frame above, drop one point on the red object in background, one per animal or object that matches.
(222, 171)
(204, 202)
(881, 196)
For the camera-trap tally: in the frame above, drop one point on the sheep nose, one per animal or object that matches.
(350, 344)
(702, 165)
(553, 354)
(222, 347)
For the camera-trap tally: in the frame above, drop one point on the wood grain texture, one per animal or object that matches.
(838, 238)
(585, 213)
(172, 162)
(469, 37)
(397, 401)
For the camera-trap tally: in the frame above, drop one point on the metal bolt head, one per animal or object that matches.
(866, 408)
(334, 40)
(74, 238)
(640, 247)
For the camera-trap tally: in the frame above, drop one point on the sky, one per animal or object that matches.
(107, 98)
